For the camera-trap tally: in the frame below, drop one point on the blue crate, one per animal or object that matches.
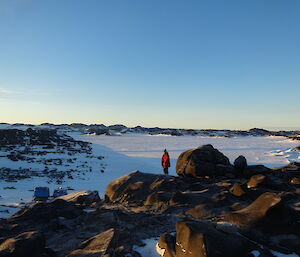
(41, 192)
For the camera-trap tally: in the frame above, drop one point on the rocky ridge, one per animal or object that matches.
(119, 129)
(236, 210)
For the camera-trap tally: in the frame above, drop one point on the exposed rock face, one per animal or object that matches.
(103, 244)
(202, 161)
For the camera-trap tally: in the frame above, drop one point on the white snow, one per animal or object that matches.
(150, 249)
(278, 254)
(255, 253)
(257, 150)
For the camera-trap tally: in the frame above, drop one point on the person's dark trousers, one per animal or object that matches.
(166, 171)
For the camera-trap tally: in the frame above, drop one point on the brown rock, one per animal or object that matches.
(202, 161)
(199, 212)
(255, 212)
(84, 197)
(166, 245)
(255, 180)
(237, 190)
(24, 245)
(295, 181)
(202, 239)
(95, 246)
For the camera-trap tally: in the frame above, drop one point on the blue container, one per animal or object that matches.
(41, 192)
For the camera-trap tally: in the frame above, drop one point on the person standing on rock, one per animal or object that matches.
(165, 162)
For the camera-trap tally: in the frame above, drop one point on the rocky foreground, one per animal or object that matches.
(213, 208)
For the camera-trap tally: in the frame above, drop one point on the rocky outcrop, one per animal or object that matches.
(263, 208)
(202, 161)
(201, 239)
(139, 187)
(253, 213)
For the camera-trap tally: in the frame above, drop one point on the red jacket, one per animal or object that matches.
(165, 161)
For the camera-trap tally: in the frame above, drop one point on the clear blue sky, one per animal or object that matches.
(169, 63)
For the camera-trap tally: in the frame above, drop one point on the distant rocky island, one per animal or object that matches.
(119, 129)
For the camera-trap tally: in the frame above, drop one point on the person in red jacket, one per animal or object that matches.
(165, 162)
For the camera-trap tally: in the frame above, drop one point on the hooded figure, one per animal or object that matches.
(165, 162)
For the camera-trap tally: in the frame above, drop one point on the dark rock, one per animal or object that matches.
(255, 212)
(295, 181)
(137, 186)
(259, 132)
(83, 197)
(201, 162)
(256, 180)
(166, 244)
(117, 127)
(24, 245)
(267, 181)
(103, 243)
(158, 198)
(240, 163)
(200, 212)
(202, 239)
(44, 212)
(190, 198)
(251, 170)
(237, 190)
(99, 131)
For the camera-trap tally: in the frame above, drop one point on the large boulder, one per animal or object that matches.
(240, 163)
(202, 239)
(136, 187)
(202, 161)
